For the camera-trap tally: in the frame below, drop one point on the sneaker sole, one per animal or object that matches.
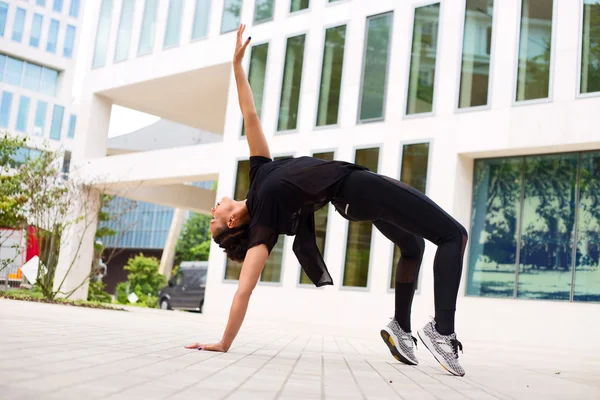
(389, 340)
(429, 346)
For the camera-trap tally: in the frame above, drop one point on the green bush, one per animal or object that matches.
(143, 279)
(96, 292)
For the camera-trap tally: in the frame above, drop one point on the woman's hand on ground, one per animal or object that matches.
(219, 347)
(240, 47)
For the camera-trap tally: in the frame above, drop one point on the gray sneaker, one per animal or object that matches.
(443, 347)
(400, 343)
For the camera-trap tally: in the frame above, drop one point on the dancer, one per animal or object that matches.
(282, 199)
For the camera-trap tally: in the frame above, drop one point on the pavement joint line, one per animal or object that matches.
(411, 379)
(385, 380)
(360, 389)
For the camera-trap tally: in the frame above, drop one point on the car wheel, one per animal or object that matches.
(164, 304)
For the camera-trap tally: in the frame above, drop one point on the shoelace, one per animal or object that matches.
(456, 345)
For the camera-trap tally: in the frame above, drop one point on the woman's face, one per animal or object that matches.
(220, 215)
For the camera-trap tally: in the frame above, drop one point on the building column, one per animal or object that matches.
(77, 242)
(168, 255)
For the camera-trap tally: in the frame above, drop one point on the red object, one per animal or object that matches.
(33, 247)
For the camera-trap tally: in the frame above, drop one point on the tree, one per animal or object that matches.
(144, 280)
(194, 241)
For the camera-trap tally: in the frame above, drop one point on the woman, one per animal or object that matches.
(282, 199)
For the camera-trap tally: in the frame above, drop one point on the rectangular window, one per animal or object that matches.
(66, 162)
(423, 60)
(41, 3)
(290, 86)
(40, 118)
(74, 8)
(298, 5)
(413, 172)
(475, 66)
(231, 15)
(69, 42)
(5, 107)
(263, 10)
(331, 76)
(320, 223)
(590, 43)
(3, 15)
(57, 5)
(52, 36)
(587, 265)
(72, 126)
(36, 30)
(358, 243)
(57, 121)
(201, 18)
(18, 25)
(148, 28)
(173, 23)
(2, 65)
(49, 81)
(102, 34)
(124, 32)
(256, 75)
(23, 114)
(375, 67)
(535, 50)
(13, 74)
(242, 185)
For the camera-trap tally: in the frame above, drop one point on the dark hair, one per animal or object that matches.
(234, 241)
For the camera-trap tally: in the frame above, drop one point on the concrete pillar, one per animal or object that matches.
(77, 242)
(168, 255)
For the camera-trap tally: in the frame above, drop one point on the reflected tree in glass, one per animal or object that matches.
(590, 51)
(331, 76)
(263, 10)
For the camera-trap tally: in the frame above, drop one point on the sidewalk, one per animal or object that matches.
(62, 352)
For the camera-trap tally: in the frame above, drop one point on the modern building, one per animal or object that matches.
(489, 107)
(38, 48)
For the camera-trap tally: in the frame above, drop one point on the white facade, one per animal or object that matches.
(191, 83)
(38, 50)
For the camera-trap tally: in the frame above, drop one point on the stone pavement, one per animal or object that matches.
(61, 352)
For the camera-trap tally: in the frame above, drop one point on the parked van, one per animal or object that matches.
(185, 290)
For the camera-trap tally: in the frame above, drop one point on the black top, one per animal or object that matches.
(282, 199)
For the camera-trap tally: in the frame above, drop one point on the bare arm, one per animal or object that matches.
(254, 134)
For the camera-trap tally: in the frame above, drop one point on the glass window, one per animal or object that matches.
(23, 114)
(18, 25)
(41, 3)
(124, 32)
(423, 60)
(331, 76)
(69, 42)
(413, 172)
(148, 27)
(587, 266)
(358, 243)
(242, 184)
(14, 71)
(535, 50)
(40, 118)
(290, 86)
(57, 5)
(231, 15)
(3, 15)
(74, 8)
(66, 162)
(173, 23)
(102, 34)
(72, 125)
(298, 5)
(256, 75)
(320, 223)
(375, 66)
(263, 10)
(49, 81)
(590, 56)
(36, 30)
(5, 107)
(2, 65)
(52, 36)
(475, 67)
(201, 18)
(57, 120)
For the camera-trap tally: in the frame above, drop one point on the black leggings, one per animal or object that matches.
(406, 216)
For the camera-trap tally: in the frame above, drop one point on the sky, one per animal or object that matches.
(123, 120)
